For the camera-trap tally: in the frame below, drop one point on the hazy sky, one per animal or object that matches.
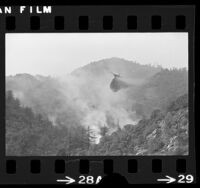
(58, 54)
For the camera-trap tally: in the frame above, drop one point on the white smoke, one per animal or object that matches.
(84, 99)
(96, 102)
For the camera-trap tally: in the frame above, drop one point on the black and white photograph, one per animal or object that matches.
(96, 94)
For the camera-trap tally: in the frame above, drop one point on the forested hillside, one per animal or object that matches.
(29, 134)
(164, 133)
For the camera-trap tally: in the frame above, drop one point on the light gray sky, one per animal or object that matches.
(58, 54)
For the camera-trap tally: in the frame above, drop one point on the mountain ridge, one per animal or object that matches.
(122, 66)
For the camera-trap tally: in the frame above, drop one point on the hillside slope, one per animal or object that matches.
(160, 90)
(164, 133)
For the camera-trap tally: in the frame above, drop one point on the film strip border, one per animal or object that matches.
(136, 170)
(143, 169)
(84, 166)
(84, 23)
(102, 19)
